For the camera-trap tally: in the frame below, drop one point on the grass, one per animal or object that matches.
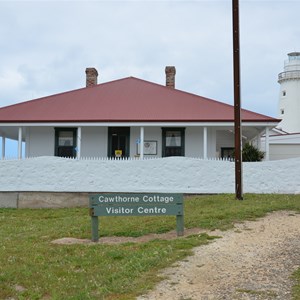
(33, 268)
(296, 288)
(266, 294)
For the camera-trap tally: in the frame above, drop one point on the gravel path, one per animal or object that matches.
(253, 261)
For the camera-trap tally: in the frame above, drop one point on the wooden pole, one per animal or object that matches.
(237, 101)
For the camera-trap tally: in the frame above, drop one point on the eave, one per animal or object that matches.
(251, 123)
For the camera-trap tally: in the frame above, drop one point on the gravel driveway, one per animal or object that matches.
(253, 261)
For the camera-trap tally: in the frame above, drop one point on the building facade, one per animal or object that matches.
(129, 117)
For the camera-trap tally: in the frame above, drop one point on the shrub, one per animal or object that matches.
(251, 153)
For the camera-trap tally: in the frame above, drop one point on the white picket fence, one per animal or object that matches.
(125, 158)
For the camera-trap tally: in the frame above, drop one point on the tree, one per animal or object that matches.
(251, 153)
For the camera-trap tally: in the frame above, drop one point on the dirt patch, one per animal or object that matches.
(119, 240)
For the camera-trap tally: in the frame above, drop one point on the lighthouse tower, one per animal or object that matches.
(289, 98)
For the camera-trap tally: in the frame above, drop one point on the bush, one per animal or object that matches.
(251, 153)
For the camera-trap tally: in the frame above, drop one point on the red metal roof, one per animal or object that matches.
(125, 100)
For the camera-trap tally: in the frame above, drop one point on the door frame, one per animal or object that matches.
(124, 131)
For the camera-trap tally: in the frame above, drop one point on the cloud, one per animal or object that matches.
(48, 44)
(11, 79)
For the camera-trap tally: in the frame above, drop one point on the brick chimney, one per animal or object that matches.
(170, 76)
(91, 76)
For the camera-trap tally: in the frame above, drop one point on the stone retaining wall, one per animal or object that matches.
(42, 200)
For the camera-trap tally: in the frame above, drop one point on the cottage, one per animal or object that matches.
(114, 119)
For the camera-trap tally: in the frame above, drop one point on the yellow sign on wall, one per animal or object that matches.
(118, 153)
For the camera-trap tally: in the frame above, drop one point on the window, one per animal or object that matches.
(283, 93)
(227, 152)
(282, 111)
(65, 142)
(173, 141)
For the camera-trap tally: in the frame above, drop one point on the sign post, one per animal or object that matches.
(95, 228)
(135, 205)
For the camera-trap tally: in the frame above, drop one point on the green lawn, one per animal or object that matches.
(33, 268)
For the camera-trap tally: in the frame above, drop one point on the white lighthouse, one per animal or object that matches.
(289, 98)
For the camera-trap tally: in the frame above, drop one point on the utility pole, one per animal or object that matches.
(237, 101)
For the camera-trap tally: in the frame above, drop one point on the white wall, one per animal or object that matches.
(211, 144)
(94, 141)
(225, 139)
(194, 142)
(282, 146)
(290, 103)
(150, 134)
(284, 151)
(162, 175)
(40, 141)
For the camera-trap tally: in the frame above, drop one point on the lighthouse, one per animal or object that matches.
(289, 97)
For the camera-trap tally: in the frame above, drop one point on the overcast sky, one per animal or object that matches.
(45, 46)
